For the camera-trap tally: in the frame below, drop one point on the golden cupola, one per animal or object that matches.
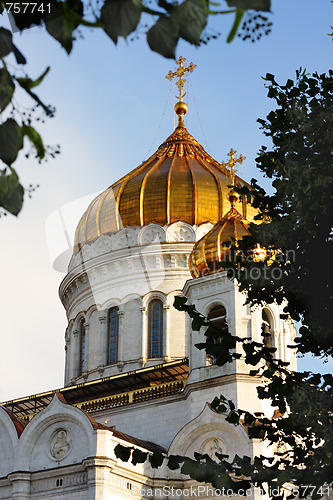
(213, 247)
(179, 182)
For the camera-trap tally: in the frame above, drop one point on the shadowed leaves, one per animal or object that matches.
(11, 191)
(120, 17)
(11, 141)
(7, 88)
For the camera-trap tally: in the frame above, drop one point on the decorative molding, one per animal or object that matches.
(153, 233)
(102, 245)
(180, 231)
(125, 238)
(134, 236)
(102, 319)
(213, 446)
(120, 365)
(143, 361)
(203, 229)
(60, 444)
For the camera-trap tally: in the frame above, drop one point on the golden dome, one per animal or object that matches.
(209, 250)
(179, 182)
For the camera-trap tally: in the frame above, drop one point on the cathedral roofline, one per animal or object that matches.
(87, 396)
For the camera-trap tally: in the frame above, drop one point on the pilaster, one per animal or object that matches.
(21, 485)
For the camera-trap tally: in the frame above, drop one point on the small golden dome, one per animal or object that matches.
(209, 250)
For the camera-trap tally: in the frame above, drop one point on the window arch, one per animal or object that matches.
(267, 329)
(82, 352)
(155, 329)
(112, 336)
(217, 315)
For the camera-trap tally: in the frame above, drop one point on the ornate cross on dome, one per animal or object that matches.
(179, 73)
(231, 163)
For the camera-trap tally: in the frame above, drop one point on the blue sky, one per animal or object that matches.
(110, 102)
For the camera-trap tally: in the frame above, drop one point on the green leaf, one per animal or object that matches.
(25, 18)
(238, 19)
(179, 302)
(190, 467)
(270, 78)
(63, 20)
(264, 5)
(233, 418)
(7, 46)
(197, 323)
(249, 419)
(174, 461)
(27, 83)
(7, 88)
(11, 192)
(120, 17)
(163, 37)
(139, 457)
(123, 452)
(5, 42)
(11, 141)
(191, 16)
(35, 139)
(156, 460)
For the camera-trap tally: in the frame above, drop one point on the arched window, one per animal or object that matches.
(266, 329)
(112, 336)
(82, 353)
(217, 315)
(155, 329)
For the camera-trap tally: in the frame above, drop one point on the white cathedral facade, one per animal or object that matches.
(133, 374)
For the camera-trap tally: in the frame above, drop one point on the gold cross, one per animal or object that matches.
(179, 73)
(231, 163)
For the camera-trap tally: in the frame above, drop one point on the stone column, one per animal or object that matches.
(21, 485)
(121, 333)
(98, 470)
(103, 341)
(166, 334)
(144, 336)
(86, 360)
(67, 355)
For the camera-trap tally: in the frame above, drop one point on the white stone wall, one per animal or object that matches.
(127, 270)
(209, 291)
(84, 466)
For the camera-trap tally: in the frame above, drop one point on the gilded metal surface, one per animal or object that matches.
(179, 73)
(210, 250)
(231, 163)
(179, 182)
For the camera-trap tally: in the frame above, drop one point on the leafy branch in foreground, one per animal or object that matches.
(297, 235)
(299, 431)
(298, 216)
(164, 23)
(17, 124)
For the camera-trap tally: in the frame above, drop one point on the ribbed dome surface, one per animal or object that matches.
(180, 182)
(209, 250)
